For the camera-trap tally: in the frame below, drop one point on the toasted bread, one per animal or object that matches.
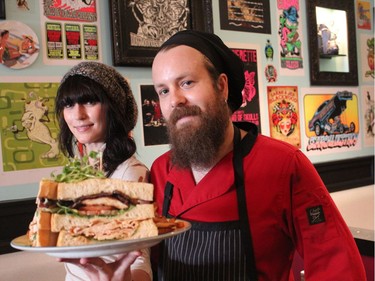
(136, 190)
(40, 234)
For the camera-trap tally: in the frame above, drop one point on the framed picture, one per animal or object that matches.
(154, 125)
(250, 16)
(2, 9)
(332, 42)
(138, 30)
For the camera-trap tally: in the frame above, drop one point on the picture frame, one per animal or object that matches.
(249, 16)
(332, 47)
(153, 121)
(137, 34)
(2, 9)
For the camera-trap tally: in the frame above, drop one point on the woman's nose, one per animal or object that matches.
(79, 111)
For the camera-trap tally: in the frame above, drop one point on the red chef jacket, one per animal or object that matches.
(289, 209)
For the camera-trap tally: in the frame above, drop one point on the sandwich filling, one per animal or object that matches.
(102, 204)
(115, 229)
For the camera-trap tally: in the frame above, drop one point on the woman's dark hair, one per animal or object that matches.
(119, 144)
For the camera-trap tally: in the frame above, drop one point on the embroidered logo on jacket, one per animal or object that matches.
(315, 215)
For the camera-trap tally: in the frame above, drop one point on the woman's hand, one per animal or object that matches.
(98, 270)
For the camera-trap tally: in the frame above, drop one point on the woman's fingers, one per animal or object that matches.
(98, 269)
(124, 261)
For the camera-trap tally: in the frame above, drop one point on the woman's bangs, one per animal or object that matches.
(80, 92)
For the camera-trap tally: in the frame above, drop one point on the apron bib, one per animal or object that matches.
(220, 251)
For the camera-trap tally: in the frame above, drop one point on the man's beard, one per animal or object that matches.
(197, 144)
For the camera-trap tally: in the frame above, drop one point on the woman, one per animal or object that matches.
(96, 111)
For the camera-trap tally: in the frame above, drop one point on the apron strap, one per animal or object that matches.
(168, 192)
(242, 148)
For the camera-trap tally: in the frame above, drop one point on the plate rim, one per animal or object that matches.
(104, 246)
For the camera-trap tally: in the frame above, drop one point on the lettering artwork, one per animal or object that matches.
(331, 121)
(249, 110)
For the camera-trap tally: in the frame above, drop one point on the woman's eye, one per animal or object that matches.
(187, 83)
(91, 103)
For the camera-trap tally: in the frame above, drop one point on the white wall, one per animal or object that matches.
(142, 75)
(357, 208)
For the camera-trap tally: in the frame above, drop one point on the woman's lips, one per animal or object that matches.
(83, 128)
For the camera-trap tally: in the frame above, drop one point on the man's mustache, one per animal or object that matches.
(184, 111)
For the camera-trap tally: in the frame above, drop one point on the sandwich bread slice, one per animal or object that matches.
(104, 209)
(39, 233)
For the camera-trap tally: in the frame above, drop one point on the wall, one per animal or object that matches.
(142, 75)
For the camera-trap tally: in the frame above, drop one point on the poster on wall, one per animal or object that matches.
(19, 45)
(368, 114)
(90, 42)
(283, 113)
(250, 108)
(331, 120)
(367, 57)
(290, 37)
(29, 132)
(241, 15)
(73, 41)
(364, 11)
(154, 126)
(54, 43)
(70, 31)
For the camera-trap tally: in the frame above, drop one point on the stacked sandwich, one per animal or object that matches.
(92, 210)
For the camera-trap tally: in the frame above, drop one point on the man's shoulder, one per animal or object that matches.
(162, 160)
(276, 143)
(274, 148)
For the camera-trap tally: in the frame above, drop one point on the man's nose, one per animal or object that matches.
(177, 98)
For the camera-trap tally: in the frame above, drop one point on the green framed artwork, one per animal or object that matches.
(28, 127)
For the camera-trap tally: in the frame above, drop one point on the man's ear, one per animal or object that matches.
(222, 84)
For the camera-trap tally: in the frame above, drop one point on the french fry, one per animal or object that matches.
(166, 225)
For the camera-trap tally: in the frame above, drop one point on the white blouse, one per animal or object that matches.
(131, 170)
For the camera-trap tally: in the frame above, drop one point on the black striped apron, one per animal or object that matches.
(212, 251)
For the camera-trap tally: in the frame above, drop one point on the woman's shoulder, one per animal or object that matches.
(132, 169)
(133, 161)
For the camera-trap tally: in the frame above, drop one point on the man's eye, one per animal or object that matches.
(162, 92)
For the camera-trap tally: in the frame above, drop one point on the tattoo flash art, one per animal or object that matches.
(156, 23)
(249, 110)
(290, 41)
(284, 114)
(331, 121)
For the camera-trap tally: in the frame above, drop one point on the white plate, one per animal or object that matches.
(100, 249)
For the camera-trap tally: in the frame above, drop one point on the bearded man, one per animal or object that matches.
(253, 201)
